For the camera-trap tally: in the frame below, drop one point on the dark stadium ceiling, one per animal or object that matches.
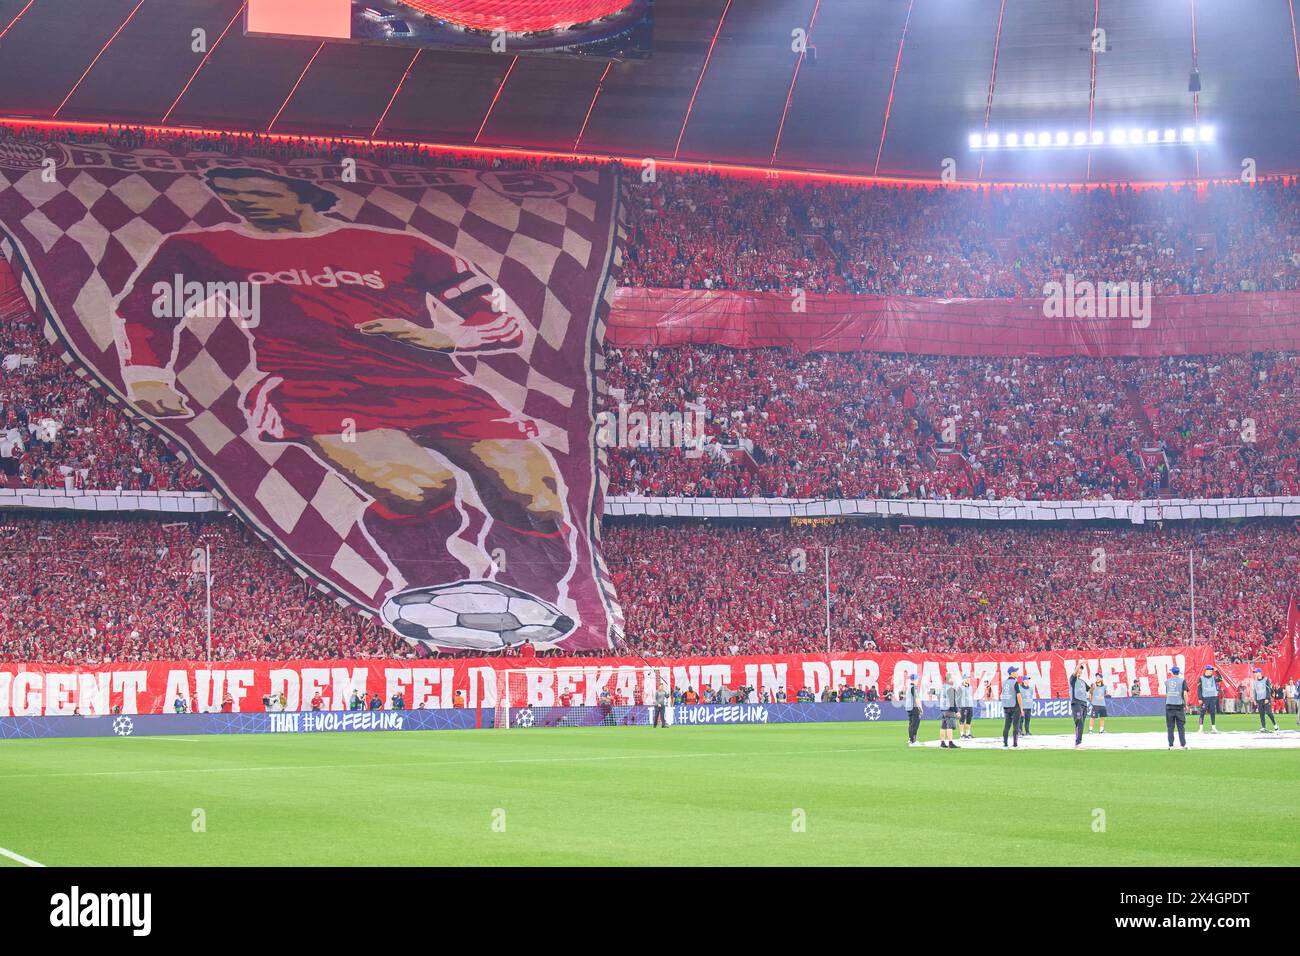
(888, 87)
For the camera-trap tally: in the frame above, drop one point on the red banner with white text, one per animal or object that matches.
(833, 322)
(152, 687)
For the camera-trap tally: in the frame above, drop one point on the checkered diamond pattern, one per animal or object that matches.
(78, 242)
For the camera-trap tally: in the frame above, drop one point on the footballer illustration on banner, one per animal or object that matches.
(402, 402)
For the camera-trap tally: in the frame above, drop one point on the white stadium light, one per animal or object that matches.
(1134, 136)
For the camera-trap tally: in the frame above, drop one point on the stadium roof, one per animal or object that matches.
(887, 87)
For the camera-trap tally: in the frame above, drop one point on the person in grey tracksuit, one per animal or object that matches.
(1207, 688)
(912, 704)
(1098, 704)
(1080, 690)
(1011, 707)
(1026, 705)
(661, 707)
(1262, 691)
(949, 712)
(966, 703)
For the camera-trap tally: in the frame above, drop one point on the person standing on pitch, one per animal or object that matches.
(948, 706)
(1098, 704)
(661, 706)
(1026, 705)
(1262, 689)
(912, 704)
(1079, 691)
(966, 701)
(1176, 707)
(1208, 689)
(1011, 707)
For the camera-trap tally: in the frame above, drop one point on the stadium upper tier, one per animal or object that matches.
(699, 230)
(99, 590)
(861, 424)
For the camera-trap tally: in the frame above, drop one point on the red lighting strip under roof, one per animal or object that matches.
(109, 43)
(795, 79)
(10, 26)
(203, 62)
(599, 84)
(737, 169)
(700, 79)
(493, 105)
(889, 104)
(276, 118)
(392, 99)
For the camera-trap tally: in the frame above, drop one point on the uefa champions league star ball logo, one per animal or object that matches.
(123, 727)
(525, 719)
(871, 712)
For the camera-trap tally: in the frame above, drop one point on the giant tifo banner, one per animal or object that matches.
(390, 373)
(152, 687)
(1090, 325)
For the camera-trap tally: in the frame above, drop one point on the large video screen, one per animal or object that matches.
(601, 29)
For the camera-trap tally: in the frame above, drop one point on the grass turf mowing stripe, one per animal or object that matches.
(627, 796)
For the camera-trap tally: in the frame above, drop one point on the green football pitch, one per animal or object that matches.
(772, 795)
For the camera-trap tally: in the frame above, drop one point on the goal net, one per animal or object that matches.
(560, 697)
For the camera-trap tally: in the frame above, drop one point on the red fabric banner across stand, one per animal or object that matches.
(1178, 324)
(152, 687)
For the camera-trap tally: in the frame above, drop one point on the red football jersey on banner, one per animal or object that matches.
(314, 363)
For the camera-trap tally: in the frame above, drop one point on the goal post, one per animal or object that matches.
(569, 697)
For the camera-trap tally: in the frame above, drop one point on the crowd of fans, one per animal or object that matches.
(870, 425)
(56, 431)
(700, 231)
(777, 424)
(95, 590)
(711, 589)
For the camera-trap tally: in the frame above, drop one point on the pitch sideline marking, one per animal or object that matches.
(19, 858)
(424, 763)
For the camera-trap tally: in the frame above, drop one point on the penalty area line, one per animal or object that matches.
(19, 858)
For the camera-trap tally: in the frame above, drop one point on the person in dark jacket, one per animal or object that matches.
(1080, 691)
(1176, 707)
(1011, 707)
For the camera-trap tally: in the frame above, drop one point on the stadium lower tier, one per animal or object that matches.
(92, 590)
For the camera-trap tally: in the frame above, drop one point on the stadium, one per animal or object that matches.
(651, 458)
